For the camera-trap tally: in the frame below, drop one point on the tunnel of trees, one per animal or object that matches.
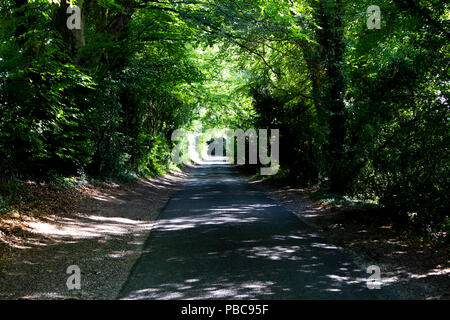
(362, 112)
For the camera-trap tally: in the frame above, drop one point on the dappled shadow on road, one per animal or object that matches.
(220, 239)
(228, 256)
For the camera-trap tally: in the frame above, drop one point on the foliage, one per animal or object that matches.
(362, 113)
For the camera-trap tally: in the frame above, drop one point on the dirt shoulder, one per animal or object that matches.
(100, 229)
(414, 270)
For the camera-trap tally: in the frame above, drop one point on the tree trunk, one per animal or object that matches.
(325, 65)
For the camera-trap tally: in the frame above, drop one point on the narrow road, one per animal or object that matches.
(219, 238)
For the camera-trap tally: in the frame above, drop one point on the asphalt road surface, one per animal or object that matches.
(219, 238)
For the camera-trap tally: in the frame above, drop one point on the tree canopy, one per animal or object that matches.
(361, 111)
